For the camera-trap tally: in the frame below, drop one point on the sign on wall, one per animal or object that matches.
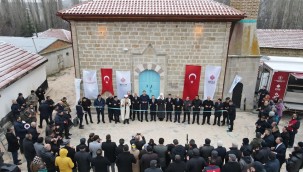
(191, 81)
(278, 84)
(212, 73)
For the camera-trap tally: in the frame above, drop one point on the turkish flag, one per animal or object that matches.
(107, 82)
(191, 81)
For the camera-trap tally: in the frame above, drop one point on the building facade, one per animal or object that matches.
(155, 42)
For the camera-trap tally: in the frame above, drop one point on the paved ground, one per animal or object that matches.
(244, 124)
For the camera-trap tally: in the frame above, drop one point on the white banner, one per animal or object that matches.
(123, 83)
(235, 82)
(212, 73)
(77, 89)
(90, 84)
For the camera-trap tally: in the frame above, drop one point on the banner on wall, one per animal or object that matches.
(123, 83)
(278, 84)
(77, 89)
(212, 73)
(90, 84)
(237, 79)
(107, 81)
(191, 81)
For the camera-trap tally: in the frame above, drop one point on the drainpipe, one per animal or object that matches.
(232, 27)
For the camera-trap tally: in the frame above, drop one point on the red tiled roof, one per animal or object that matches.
(280, 38)
(60, 34)
(15, 63)
(202, 9)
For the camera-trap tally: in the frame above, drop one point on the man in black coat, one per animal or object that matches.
(178, 150)
(231, 115)
(144, 98)
(225, 112)
(80, 113)
(20, 132)
(125, 160)
(232, 165)
(116, 105)
(196, 163)
(119, 148)
(176, 166)
(83, 159)
(147, 157)
(109, 149)
(40, 94)
(33, 131)
(44, 110)
(221, 150)
(205, 150)
(29, 150)
(12, 145)
(153, 103)
(109, 103)
(51, 105)
(15, 110)
(280, 150)
(197, 104)
(82, 143)
(86, 104)
(178, 103)
(100, 163)
(218, 111)
(48, 158)
(207, 107)
(136, 107)
(169, 107)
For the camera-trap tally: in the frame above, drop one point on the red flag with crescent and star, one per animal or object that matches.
(191, 81)
(107, 82)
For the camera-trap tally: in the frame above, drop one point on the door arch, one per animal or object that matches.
(149, 80)
(237, 94)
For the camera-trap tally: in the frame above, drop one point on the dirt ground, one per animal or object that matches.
(62, 85)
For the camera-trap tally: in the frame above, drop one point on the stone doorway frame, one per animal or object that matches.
(142, 67)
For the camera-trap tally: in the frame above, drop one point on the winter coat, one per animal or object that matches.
(83, 160)
(272, 166)
(29, 150)
(44, 109)
(109, 149)
(221, 152)
(234, 151)
(64, 163)
(49, 159)
(177, 166)
(195, 164)
(100, 163)
(244, 162)
(205, 151)
(12, 142)
(124, 162)
(295, 162)
(146, 158)
(38, 147)
(20, 131)
(231, 167)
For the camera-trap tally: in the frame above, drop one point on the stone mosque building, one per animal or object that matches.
(158, 38)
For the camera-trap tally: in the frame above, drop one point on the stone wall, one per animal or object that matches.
(250, 7)
(281, 52)
(247, 68)
(170, 45)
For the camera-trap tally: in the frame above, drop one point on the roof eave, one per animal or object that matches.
(151, 18)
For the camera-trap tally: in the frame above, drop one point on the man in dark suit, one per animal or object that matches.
(197, 104)
(178, 108)
(109, 149)
(207, 107)
(231, 115)
(144, 98)
(135, 107)
(125, 160)
(280, 150)
(13, 145)
(169, 107)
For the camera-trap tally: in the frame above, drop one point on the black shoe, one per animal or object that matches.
(133, 119)
(110, 121)
(229, 130)
(86, 123)
(178, 121)
(188, 122)
(69, 134)
(128, 121)
(166, 120)
(223, 124)
(92, 122)
(183, 121)
(203, 123)
(219, 124)
(146, 120)
(151, 120)
(192, 122)
(67, 137)
(175, 121)
(198, 123)
(81, 127)
(98, 122)
(214, 124)
(208, 123)
(103, 122)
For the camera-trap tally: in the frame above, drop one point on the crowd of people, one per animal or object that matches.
(53, 152)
